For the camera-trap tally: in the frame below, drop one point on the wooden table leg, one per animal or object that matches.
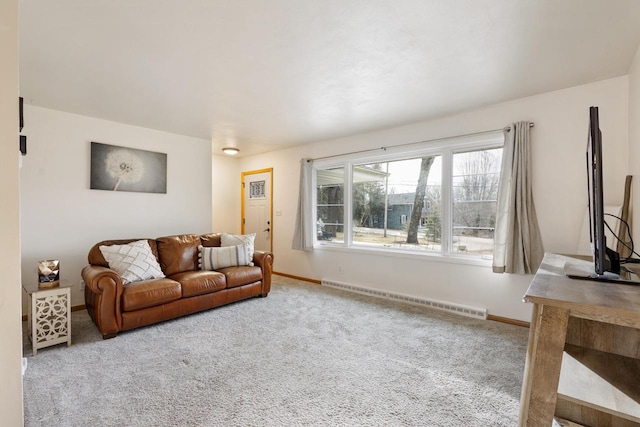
(542, 369)
(33, 328)
(68, 317)
(528, 364)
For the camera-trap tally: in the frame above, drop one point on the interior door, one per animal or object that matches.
(257, 207)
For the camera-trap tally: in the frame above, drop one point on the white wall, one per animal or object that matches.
(62, 218)
(634, 143)
(559, 179)
(11, 348)
(225, 181)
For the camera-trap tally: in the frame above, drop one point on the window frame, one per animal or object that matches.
(444, 147)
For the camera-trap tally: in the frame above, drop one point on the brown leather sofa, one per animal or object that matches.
(185, 290)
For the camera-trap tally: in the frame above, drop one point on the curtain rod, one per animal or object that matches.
(504, 129)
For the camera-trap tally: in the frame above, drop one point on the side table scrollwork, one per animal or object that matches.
(49, 316)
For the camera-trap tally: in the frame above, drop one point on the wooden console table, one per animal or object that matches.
(583, 359)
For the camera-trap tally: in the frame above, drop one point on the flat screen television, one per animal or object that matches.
(606, 262)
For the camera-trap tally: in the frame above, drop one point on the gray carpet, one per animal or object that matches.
(305, 356)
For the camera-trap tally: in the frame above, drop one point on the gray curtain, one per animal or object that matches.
(303, 232)
(518, 245)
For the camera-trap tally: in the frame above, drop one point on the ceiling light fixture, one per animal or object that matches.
(231, 151)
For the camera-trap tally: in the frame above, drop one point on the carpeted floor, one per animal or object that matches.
(305, 356)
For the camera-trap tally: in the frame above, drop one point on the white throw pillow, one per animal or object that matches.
(133, 261)
(213, 258)
(238, 239)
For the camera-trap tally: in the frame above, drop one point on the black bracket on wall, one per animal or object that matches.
(23, 138)
(23, 144)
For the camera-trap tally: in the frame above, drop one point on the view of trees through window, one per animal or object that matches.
(398, 204)
(475, 193)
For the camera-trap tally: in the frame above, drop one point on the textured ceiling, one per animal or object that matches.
(266, 74)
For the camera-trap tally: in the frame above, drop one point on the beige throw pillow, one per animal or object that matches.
(238, 239)
(133, 261)
(213, 258)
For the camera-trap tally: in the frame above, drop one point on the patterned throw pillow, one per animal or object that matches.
(238, 239)
(133, 261)
(213, 258)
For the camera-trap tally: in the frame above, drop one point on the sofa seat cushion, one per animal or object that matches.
(149, 293)
(200, 282)
(243, 275)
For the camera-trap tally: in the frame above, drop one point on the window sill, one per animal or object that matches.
(407, 254)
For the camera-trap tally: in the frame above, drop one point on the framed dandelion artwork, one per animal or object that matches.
(117, 168)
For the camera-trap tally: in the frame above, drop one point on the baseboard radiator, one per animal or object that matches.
(463, 310)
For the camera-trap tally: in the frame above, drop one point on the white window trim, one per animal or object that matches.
(441, 147)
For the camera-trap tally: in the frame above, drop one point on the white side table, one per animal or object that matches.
(49, 315)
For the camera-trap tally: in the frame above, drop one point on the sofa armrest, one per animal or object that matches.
(264, 260)
(102, 295)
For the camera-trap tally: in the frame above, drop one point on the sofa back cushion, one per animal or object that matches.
(211, 240)
(178, 253)
(95, 255)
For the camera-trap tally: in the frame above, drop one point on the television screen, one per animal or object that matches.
(596, 198)
(606, 262)
(21, 112)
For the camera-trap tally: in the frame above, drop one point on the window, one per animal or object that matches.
(475, 193)
(438, 198)
(330, 204)
(394, 191)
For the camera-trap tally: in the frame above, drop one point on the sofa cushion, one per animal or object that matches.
(228, 256)
(133, 261)
(149, 293)
(238, 239)
(211, 239)
(200, 282)
(238, 276)
(178, 253)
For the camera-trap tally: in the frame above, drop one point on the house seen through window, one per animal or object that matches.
(330, 204)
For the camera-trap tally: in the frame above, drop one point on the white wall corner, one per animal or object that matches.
(10, 290)
(634, 141)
